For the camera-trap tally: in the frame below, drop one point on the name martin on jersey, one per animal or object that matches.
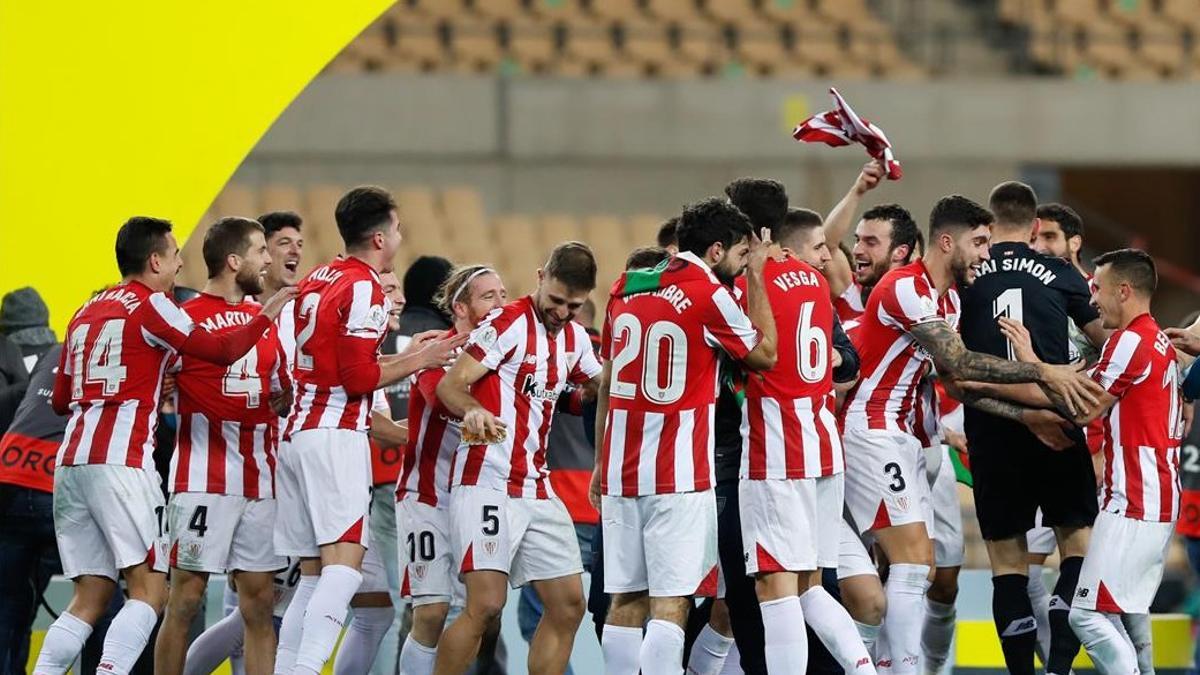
(226, 319)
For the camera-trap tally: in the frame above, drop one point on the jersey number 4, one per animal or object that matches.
(241, 379)
(103, 363)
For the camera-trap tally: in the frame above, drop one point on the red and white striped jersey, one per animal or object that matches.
(1143, 429)
(530, 368)
(433, 437)
(664, 346)
(789, 429)
(849, 305)
(227, 429)
(340, 322)
(891, 361)
(117, 349)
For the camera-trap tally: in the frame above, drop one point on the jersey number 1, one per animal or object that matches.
(1010, 304)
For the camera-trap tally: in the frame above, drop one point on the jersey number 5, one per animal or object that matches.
(662, 388)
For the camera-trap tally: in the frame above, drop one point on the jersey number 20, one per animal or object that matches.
(662, 388)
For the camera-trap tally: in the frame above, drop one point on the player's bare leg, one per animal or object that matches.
(66, 635)
(256, 603)
(621, 640)
(487, 591)
(326, 612)
(562, 600)
(420, 647)
(865, 601)
(373, 615)
(292, 629)
(910, 552)
(713, 644)
(184, 600)
(1064, 641)
(833, 624)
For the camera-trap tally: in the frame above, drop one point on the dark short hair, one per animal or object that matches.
(1069, 221)
(956, 212)
(904, 229)
(666, 233)
(1013, 203)
(764, 201)
(1132, 265)
(797, 220)
(710, 221)
(423, 278)
(137, 239)
(227, 236)
(645, 256)
(277, 220)
(361, 211)
(574, 264)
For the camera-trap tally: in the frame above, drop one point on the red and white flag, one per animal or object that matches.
(842, 126)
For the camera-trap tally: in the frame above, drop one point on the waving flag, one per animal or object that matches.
(842, 126)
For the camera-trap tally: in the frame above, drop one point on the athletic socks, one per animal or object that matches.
(937, 635)
(127, 637)
(1137, 626)
(837, 631)
(1064, 643)
(1013, 615)
(215, 644)
(785, 642)
(709, 652)
(733, 661)
(1039, 598)
(292, 628)
(364, 634)
(325, 616)
(64, 640)
(622, 648)
(905, 617)
(662, 648)
(1104, 643)
(417, 659)
(869, 634)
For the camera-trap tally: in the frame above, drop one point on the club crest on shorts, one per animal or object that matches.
(490, 546)
(902, 503)
(418, 570)
(191, 551)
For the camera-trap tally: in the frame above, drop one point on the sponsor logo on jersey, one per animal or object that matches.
(532, 390)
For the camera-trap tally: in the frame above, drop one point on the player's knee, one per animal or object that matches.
(944, 588)
(183, 604)
(567, 609)
(867, 608)
(486, 608)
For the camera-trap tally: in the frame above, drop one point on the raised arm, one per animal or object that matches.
(839, 221)
(758, 307)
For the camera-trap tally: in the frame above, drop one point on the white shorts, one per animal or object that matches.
(664, 544)
(323, 488)
(107, 518)
(886, 483)
(947, 530)
(428, 562)
(853, 559)
(1040, 539)
(527, 539)
(1124, 565)
(782, 525)
(221, 533)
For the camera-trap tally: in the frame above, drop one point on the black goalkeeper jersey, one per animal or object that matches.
(1043, 292)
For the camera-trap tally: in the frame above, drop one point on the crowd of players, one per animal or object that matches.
(779, 425)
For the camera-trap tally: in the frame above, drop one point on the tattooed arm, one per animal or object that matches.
(1045, 424)
(956, 362)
